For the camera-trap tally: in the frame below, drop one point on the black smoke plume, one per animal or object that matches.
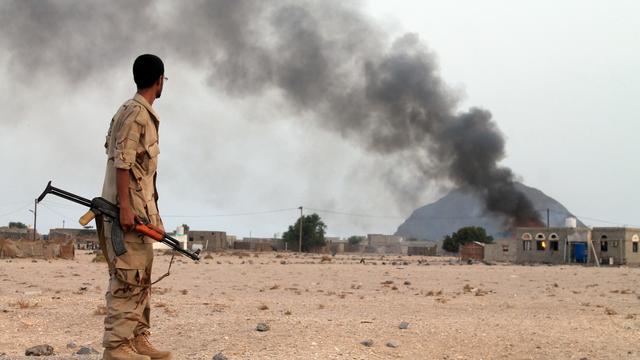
(326, 59)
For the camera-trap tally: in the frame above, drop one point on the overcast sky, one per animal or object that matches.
(561, 79)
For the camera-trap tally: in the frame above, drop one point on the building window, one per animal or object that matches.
(526, 245)
(635, 247)
(526, 236)
(604, 246)
(553, 236)
(614, 243)
(190, 238)
(554, 245)
(505, 248)
(541, 245)
(604, 237)
(540, 236)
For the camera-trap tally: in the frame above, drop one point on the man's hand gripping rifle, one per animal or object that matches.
(100, 206)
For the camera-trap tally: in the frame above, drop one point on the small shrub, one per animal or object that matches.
(25, 304)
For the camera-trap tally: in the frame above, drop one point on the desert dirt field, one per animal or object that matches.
(324, 310)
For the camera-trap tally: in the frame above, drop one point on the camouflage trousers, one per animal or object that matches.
(128, 293)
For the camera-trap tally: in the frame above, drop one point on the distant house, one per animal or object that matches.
(259, 244)
(501, 250)
(178, 235)
(384, 244)
(15, 233)
(419, 248)
(207, 240)
(83, 239)
(616, 245)
(553, 245)
(472, 251)
(335, 245)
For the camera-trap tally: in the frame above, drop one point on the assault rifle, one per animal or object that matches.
(101, 206)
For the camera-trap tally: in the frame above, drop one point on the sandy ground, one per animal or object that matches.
(324, 310)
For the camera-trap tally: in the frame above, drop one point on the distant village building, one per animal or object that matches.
(178, 234)
(17, 233)
(501, 250)
(207, 240)
(553, 245)
(335, 245)
(472, 251)
(384, 244)
(419, 248)
(259, 244)
(83, 239)
(616, 245)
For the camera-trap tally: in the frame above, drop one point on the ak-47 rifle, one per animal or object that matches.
(101, 206)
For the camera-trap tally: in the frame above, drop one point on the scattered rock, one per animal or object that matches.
(39, 350)
(367, 342)
(85, 350)
(404, 325)
(407, 282)
(262, 327)
(219, 356)
(72, 345)
(392, 344)
(609, 311)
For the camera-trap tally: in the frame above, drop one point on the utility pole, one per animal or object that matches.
(300, 224)
(547, 218)
(63, 224)
(35, 218)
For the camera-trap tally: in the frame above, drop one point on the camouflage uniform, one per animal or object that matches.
(131, 144)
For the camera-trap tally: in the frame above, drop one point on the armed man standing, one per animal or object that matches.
(130, 181)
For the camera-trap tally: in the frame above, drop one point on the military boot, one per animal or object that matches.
(143, 346)
(123, 352)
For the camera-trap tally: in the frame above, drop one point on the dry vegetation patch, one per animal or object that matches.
(25, 304)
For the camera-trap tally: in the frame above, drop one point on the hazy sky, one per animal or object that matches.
(561, 79)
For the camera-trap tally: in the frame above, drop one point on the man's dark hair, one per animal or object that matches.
(146, 70)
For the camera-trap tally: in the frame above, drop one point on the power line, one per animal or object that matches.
(16, 210)
(12, 203)
(232, 214)
(356, 215)
(61, 215)
(398, 217)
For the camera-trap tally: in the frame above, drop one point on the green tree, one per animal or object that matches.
(355, 240)
(17, 225)
(465, 235)
(313, 230)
